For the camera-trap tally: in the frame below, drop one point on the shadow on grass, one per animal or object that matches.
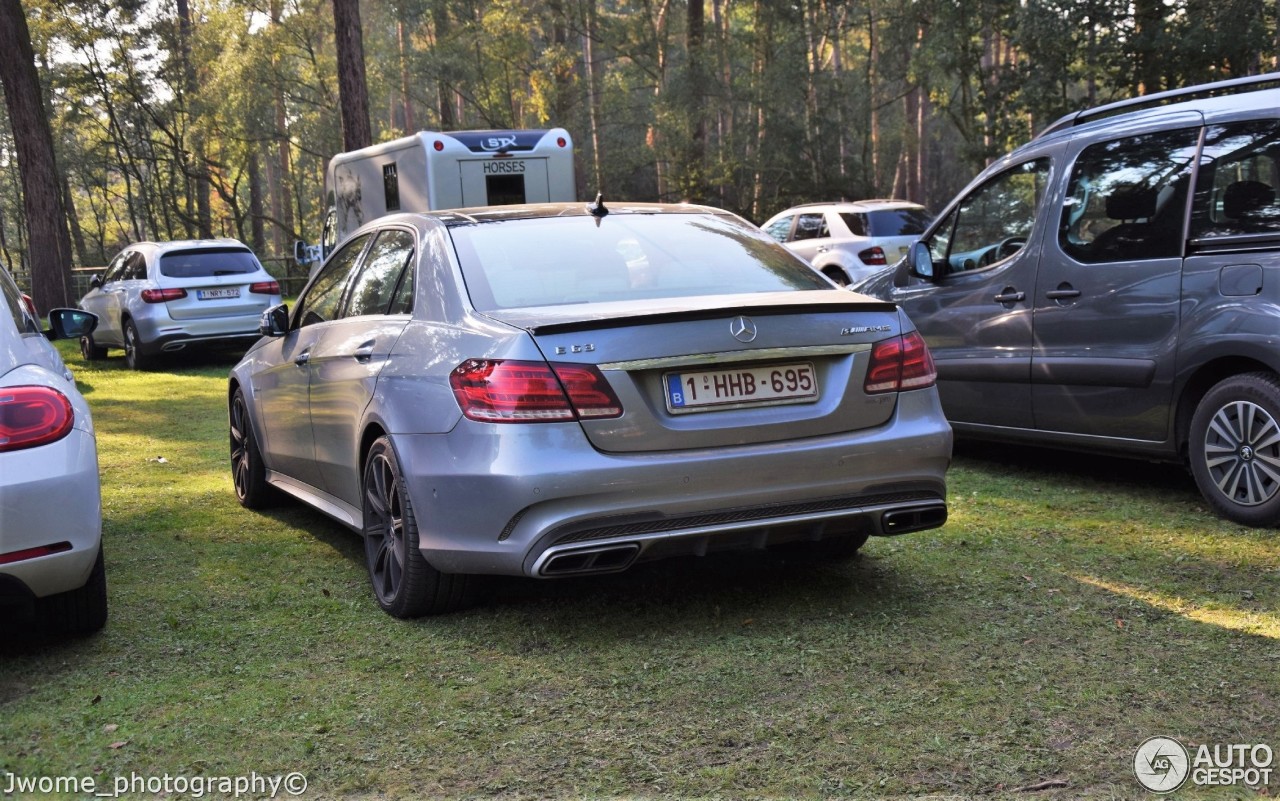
(1084, 469)
(772, 586)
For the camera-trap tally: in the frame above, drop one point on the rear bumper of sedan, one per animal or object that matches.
(537, 500)
(50, 517)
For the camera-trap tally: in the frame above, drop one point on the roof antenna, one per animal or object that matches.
(597, 208)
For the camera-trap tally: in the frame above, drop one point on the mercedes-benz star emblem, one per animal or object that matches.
(743, 329)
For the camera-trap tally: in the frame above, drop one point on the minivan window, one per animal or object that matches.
(1127, 198)
(994, 221)
(1236, 188)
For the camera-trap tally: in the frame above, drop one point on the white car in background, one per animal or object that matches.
(849, 241)
(50, 501)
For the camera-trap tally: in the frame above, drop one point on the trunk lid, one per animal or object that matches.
(717, 371)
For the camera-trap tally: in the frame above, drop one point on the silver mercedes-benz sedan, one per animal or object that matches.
(565, 389)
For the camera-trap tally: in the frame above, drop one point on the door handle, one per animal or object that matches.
(303, 358)
(823, 249)
(1010, 295)
(1062, 294)
(365, 352)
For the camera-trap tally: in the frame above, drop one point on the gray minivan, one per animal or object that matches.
(1114, 285)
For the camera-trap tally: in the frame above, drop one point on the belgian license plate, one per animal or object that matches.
(218, 294)
(742, 386)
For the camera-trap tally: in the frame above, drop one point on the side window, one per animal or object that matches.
(993, 222)
(857, 222)
(325, 293)
(372, 291)
(811, 226)
(22, 319)
(1236, 187)
(780, 228)
(403, 301)
(135, 267)
(1128, 198)
(116, 269)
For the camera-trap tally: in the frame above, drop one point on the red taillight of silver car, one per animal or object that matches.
(509, 391)
(162, 295)
(900, 363)
(265, 288)
(33, 416)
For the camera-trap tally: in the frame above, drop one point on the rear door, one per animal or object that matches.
(1108, 296)
(351, 352)
(812, 235)
(504, 181)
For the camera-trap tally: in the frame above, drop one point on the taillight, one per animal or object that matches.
(31, 306)
(33, 416)
(873, 256)
(899, 364)
(499, 391)
(438, 145)
(162, 295)
(265, 288)
(561, 141)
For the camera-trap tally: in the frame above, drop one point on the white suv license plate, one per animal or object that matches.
(218, 294)
(743, 386)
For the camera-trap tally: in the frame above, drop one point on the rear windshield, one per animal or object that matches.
(208, 263)
(899, 222)
(553, 261)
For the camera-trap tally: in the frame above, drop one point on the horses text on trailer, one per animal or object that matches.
(430, 171)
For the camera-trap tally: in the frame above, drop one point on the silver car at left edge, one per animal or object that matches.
(566, 389)
(51, 564)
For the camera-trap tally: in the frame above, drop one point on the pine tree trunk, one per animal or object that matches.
(353, 90)
(49, 254)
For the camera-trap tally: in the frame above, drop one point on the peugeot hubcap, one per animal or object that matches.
(1242, 453)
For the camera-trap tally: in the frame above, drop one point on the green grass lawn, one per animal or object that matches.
(1072, 607)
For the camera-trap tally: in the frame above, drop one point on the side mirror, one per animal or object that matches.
(275, 321)
(921, 261)
(71, 323)
(299, 251)
(95, 281)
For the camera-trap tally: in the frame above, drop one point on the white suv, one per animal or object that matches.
(160, 297)
(849, 241)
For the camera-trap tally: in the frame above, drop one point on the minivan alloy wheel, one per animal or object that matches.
(1235, 448)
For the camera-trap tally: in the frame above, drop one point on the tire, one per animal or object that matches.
(248, 473)
(837, 275)
(405, 585)
(134, 358)
(90, 350)
(79, 611)
(1234, 448)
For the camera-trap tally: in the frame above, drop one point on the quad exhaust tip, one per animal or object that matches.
(904, 521)
(605, 559)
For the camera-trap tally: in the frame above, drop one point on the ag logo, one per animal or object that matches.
(1161, 764)
(743, 329)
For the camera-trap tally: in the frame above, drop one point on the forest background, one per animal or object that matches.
(216, 117)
